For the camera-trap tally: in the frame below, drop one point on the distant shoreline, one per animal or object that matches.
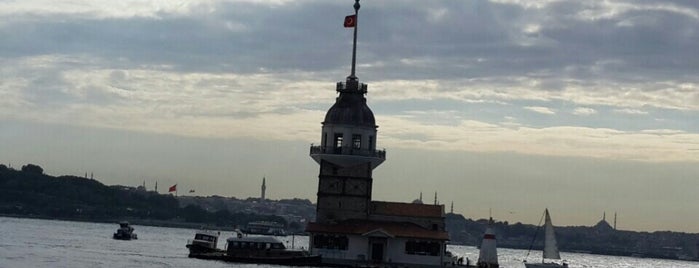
(142, 222)
(155, 223)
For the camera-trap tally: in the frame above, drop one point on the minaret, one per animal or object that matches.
(435, 198)
(264, 188)
(452, 207)
(614, 220)
(347, 152)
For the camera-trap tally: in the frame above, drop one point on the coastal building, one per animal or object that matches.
(350, 227)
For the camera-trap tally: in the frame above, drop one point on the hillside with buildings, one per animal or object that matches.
(30, 193)
(601, 239)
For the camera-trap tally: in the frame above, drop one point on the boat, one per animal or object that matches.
(125, 232)
(488, 256)
(550, 247)
(258, 249)
(265, 228)
(204, 241)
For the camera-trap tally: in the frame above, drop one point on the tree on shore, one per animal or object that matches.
(31, 168)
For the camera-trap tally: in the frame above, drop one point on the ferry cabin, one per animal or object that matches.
(262, 246)
(205, 239)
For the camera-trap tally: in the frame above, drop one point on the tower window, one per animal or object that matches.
(356, 141)
(338, 143)
(371, 142)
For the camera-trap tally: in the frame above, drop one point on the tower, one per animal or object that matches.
(350, 227)
(347, 152)
(264, 188)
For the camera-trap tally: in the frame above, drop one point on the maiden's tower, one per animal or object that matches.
(350, 228)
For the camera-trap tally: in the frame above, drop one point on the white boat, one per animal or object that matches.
(204, 241)
(488, 256)
(550, 247)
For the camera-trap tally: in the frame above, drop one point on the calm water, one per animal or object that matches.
(49, 243)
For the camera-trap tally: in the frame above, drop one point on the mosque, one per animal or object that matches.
(350, 228)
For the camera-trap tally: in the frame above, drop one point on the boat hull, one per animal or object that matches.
(290, 260)
(119, 236)
(545, 265)
(201, 249)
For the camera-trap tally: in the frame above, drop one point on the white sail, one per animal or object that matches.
(488, 256)
(550, 245)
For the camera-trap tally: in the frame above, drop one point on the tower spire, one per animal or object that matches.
(354, 43)
(263, 188)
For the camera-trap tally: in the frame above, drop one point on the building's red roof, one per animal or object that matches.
(406, 209)
(395, 229)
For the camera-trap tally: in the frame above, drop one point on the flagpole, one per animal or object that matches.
(354, 44)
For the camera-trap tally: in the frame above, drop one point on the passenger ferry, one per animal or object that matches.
(249, 249)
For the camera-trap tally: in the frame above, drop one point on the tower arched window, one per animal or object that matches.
(338, 143)
(356, 141)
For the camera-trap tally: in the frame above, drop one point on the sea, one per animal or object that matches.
(55, 243)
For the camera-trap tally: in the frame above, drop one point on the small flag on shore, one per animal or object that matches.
(350, 21)
(173, 188)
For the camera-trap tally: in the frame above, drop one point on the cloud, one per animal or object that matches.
(228, 68)
(474, 136)
(630, 111)
(541, 110)
(584, 111)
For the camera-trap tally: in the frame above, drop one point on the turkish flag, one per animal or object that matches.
(173, 188)
(350, 21)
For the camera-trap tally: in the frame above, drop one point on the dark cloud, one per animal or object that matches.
(451, 39)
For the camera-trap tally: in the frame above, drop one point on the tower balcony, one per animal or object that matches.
(352, 86)
(347, 156)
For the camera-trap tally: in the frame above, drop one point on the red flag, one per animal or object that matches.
(350, 21)
(173, 188)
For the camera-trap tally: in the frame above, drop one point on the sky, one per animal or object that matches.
(509, 106)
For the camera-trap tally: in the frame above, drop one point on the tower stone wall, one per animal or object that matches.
(343, 192)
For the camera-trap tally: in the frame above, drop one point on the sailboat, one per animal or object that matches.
(550, 247)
